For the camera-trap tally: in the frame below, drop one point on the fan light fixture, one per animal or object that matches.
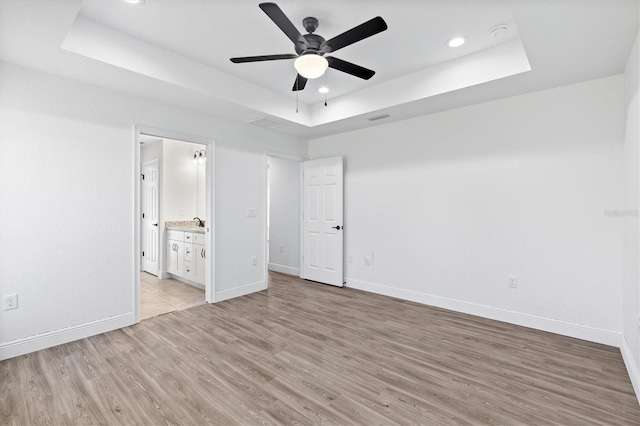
(311, 65)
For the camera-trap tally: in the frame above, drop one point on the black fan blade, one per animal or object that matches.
(280, 19)
(349, 68)
(263, 58)
(299, 83)
(362, 31)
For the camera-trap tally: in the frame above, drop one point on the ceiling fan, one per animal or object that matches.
(310, 61)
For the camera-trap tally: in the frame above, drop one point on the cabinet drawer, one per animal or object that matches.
(198, 239)
(189, 270)
(175, 235)
(188, 237)
(188, 252)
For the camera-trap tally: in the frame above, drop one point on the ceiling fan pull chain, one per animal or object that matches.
(297, 91)
(326, 84)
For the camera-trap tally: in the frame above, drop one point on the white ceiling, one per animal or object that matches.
(224, 29)
(178, 52)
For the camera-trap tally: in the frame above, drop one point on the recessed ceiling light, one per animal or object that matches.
(138, 2)
(323, 89)
(456, 41)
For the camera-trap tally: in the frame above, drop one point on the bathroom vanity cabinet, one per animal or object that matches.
(186, 255)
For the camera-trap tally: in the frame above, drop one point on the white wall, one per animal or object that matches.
(453, 203)
(631, 295)
(151, 151)
(180, 181)
(66, 216)
(201, 211)
(284, 227)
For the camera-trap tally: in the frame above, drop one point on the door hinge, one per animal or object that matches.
(142, 174)
(142, 254)
(143, 215)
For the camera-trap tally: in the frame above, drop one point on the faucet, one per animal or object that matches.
(200, 221)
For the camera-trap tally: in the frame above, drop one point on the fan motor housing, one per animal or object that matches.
(315, 42)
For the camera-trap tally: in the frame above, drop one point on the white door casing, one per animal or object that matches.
(323, 221)
(150, 217)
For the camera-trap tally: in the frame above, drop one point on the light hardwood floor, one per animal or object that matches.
(305, 353)
(159, 297)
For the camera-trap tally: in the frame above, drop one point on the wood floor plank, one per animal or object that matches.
(305, 353)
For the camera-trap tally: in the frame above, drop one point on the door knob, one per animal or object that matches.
(337, 227)
(155, 224)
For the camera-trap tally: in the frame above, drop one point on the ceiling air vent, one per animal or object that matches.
(266, 122)
(378, 117)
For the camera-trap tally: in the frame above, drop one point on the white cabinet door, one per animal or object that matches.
(172, 257)
(175, 251)
(190, 271)
(201, 257)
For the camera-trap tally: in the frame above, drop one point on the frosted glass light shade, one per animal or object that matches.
(311, 65)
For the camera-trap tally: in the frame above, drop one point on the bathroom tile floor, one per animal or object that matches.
(159, 297)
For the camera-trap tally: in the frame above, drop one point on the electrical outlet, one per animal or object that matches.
(254, 261)
(11, 301)
(252, 213)
(513, 281)
(281, 249)
(368, 258)
(350, 258)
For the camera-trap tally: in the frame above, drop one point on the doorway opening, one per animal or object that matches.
(283, 214)
(174, 222)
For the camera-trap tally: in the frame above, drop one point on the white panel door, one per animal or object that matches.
(150, 219)
(322, 236)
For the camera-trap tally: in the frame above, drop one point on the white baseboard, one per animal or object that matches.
(592, 334)
(284, 269)
(58, 337)
(632, 368)
(219, 296)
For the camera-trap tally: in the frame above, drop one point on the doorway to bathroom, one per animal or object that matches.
(174, 222)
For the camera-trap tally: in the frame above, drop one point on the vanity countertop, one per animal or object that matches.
(197, 229)
(185, 225)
